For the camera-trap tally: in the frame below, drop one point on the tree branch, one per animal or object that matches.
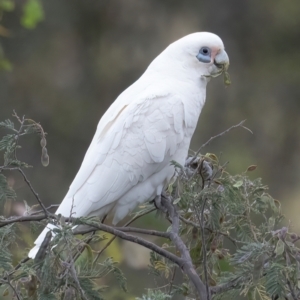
(216, 136)
(125, 229)
(187, 267)
(221, 288)
(137, 240)
(5, 222)
(34, 192)
(128, 223)
(204, 248)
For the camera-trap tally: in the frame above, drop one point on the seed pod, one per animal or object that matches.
(43, 142)
(294, 236)
(45, 157)
(194, 233)
(214, 244)
(283, 233)
(32, 286)
(220, 255)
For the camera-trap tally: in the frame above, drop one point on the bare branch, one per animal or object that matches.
(126, 229)
(34, 192)
(137, 240)
(234, 241)
(216, 136)
(187, 267)
(221, 288)
(48, 208)
(5, 222)
(113, 238)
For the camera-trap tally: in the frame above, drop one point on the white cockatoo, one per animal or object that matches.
(150, 124)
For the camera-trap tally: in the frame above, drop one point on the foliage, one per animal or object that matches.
(230, 225)
(155, 295)
(32, 15)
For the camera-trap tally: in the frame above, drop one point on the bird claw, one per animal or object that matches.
(158, 204)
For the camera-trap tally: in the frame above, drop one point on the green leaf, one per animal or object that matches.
(90, 290)
(7, 124)
(238, 184)
(7, 5)
(6, 192)
(195, 253)
(275, 280)
(271, 223)
(33, 14)
(212, 156)
(176, 200)
(155, 295)
(5, 259)
(227, 80)
(279, 248)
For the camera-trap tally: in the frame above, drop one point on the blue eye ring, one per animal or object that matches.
(204, 55)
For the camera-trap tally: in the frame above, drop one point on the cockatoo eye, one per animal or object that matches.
(204, 55)
(205, 51)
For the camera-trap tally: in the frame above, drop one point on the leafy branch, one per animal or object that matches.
(206, 207)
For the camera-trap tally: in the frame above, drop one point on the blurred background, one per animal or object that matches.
(65, 72)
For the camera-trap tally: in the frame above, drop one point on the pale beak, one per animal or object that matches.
(221, 60)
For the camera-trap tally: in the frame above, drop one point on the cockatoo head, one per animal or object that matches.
(201, 52)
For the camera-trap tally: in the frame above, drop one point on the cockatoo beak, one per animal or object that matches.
(220, 64)
(221, 60)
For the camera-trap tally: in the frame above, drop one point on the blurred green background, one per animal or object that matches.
(68, 70)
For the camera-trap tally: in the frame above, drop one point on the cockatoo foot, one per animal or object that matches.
(158, 204)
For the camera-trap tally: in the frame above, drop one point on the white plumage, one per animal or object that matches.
(148, 125)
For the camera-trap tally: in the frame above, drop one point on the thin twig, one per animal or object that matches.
(234, 241)
(216, 136)
(34, 192)
(221, 288)
(172, 280)
(18, 266)
(7, 281)
(17, 136)
(189, 222)
(113, 238)
(72, 270)
(48, 208)
(5, 222)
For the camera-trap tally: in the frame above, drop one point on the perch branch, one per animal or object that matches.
(187, 267)
(216, 136)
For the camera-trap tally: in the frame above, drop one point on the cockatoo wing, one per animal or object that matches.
(131, 144)
(137, 142)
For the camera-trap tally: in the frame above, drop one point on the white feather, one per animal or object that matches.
(148, 125)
